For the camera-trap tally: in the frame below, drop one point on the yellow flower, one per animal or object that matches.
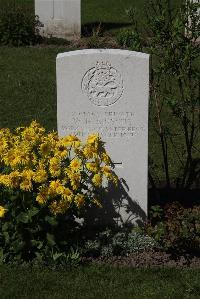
(54, 187)
(97, 203)
(54, 166)
(56, 208)
(26, 183)
(106, 170)
(4, 141)
(75, 165)
(71, 141)
(79, 200)
(93, 167)
(89, 152)
(33, 133)
(48, 144)
(115, 179)
(97, 180)
(74, 178)
(59, 207)
(92, 138)
(45, 148)
(10, 158)
(40, 176)
(14, 179)
(106, 159)
(2, 212)
(67, 194)
(60, 150)
(42, 196)
(22, 155)
(5, 180)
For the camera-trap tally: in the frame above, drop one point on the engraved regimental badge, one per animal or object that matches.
(103, 84)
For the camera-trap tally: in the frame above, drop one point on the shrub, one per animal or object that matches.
(18, 27)
(45, 182)
(177, 228)
(171, 37)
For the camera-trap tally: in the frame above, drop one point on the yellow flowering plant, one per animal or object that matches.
(44, 178)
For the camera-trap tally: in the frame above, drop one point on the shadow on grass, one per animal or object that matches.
(89, 28)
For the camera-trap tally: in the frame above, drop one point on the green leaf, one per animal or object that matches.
(51, 220)
(51, 239)
(2, 257)
(56, 256)
(23, 217)
(34, 211)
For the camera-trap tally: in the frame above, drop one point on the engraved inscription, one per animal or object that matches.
(103, 84)
(107, 124)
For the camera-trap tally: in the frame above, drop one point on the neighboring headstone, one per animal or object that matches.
(107, 91)
(60, 18)
(198, 14)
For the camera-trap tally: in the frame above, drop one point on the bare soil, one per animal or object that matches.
(148, 259)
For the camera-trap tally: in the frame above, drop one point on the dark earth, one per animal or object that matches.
(148, 260)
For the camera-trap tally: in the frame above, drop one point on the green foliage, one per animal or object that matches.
(178, 229)
(29, 233)
(18, 27)
(171, 39)
(110, 243)
(175, 84)
(128, 38)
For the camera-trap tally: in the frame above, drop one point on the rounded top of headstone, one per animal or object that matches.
(104, 51)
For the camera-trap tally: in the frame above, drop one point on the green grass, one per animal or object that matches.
(28, 86)
(99, 282)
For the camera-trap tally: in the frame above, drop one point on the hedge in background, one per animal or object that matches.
(18, 27)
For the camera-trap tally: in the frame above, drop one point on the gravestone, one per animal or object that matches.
(107, 91)
(198, 14)
(60, 18)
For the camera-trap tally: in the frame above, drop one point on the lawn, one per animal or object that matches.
(99, 282)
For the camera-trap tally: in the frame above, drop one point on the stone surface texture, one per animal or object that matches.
(198, 11)
(60, 18)
(107, 91)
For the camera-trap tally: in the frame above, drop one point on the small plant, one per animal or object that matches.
(110, 243)
(18, 27)
(129, 39)
(95, 40)
(178, 229)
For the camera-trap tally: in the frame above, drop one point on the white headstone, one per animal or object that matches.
(60, 18)
(107, 91)
(197, 14)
